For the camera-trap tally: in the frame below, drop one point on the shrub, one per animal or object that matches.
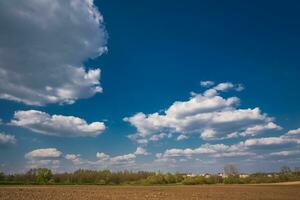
(43, 175)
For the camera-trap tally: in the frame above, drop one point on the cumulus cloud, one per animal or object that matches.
(102, 155)
(286, 153)
(48, 157)
(208, 114)
(43, 47)
(223, 86)
(43, 153)
(121, 159)
(212, 150)
(141, 151)
(56, 125)
(182, 137)
(260, 128)
(256, 142)
(6, 139)
(74, 158)
(207, 83)
(71, 156)
(279, 147)
(289, 139)
(295, 132)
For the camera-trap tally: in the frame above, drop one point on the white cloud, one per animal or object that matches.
(286, 153)
(71, 156)
(126, 159)
(75, 158)
(43, 46)
(209, 115)
(116, 160)
(141, 151)
(239, 87)
(48, 158)
(294, 132)
(207, 83)
(205, 153)
(102, 155)
(221, 87)
(260, 128)
(224, 86)
(210, 93)
(207, 149)
(159, 136)
(6, 139)
(258, 148)
(271, 146)
(289, 139)
(56, 125)
(200, 104)
(227, 86)
(266, 141)
(182, 137)
(43, 153)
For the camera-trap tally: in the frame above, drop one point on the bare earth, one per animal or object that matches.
(207, 192)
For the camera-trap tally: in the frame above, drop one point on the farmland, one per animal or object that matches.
(207, 192)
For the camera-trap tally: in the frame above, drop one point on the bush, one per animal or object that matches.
(156, 179)
(194, 180)
(43, 175)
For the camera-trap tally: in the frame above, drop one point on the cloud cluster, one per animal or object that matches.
(6, 139)
(121, 159)
(210, 150)
(48, 157)
(207, 83)
(208, 114)
(266, 149)
(43, 153)
(74, 158)
(104, 160)
(43, 47)
(278, 147)
(56, 125)
(141, 151)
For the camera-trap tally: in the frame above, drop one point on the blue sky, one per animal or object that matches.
(151, 54)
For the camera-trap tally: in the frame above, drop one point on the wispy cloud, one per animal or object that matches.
(7, 139)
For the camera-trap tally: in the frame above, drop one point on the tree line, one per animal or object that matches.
(106, 177)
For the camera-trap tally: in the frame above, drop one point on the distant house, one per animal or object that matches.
(244, 175)
(191, 175)
(222, 175)
(206, 175)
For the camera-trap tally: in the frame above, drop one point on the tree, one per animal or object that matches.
(179, 177)
(286, 170)
(43, 175)
(230, 170)
(2, 176)
(156, 179)
(297, 169)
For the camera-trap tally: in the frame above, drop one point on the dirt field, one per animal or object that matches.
(208, 192)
